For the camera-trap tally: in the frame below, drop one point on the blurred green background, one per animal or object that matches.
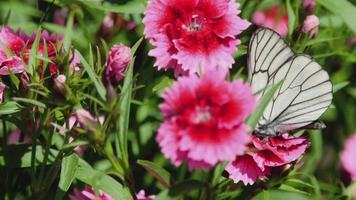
(334, 49)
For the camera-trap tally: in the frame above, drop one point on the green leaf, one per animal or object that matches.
(68, 32)
(99, 180)
(125, 105)
(158, 172)
(162, 85)
(29, 101)
(97, 83)
(344, 9)
(9, 107)
(14, 79)
(255, 117)
(340, 86)
(33, 53)
(68, 171)
(280, 195)
(14, 156)
(291, 18)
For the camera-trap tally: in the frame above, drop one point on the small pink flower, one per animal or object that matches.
(89, 194)
(120, 57)
(263, 155)
(309, 5)
(311, 24)
(142, 196)
(85, 119)
(15, 137)
(193, 35)
(348, 156)
(204, 120)
(108, 23)
(275, 18)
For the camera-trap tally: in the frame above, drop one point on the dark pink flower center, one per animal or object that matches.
(201, 115)
(195, 24)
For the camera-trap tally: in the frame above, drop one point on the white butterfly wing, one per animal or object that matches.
(306, 92)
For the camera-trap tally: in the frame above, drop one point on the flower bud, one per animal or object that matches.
(85, 119)
(59, 82)
(119, 58)
(309, 5)
(311, 24)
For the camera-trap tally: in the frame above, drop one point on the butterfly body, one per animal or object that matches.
(305, 92)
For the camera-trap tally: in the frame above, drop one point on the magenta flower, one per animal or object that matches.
(204, 120)
(275, 18)
(142, 196)
(60, 16)
(89, 194)
(263, 155)
(311, 24)
(193, 35)
(348, 156)
(119, 58)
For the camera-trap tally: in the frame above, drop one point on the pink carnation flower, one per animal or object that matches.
(275, 18)
(348, 156)
(311, 24)
(263, 155)
(193, 35)
(89, 194)
(119, 58)
(204, 120)
(142, 196)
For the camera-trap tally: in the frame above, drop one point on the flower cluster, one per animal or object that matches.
(193, 36)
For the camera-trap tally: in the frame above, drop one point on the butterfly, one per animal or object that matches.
(305, 92)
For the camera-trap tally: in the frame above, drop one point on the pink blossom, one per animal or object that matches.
(204, 119)
(89, 194)
(15, 137)
(275, 18)
(142, 196)
(348, 156)
(108, 23)
(263, 155)
(120, 57)
(193, 35)
(2, 88)
(85, 119)
(309, 4)
(311, 24)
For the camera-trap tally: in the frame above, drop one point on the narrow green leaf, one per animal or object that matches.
(33, 55)
(158, 172)
(342, 8)
(99, 180)
(255, 117)
(67, 40)
(97, 83)
(291, 18)
(340, 86)
(29, 101)
(280, 195)
(68, 170)
(9, 107)
(131, 7)
(186, 187)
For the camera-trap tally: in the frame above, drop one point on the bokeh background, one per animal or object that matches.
(120, 21)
